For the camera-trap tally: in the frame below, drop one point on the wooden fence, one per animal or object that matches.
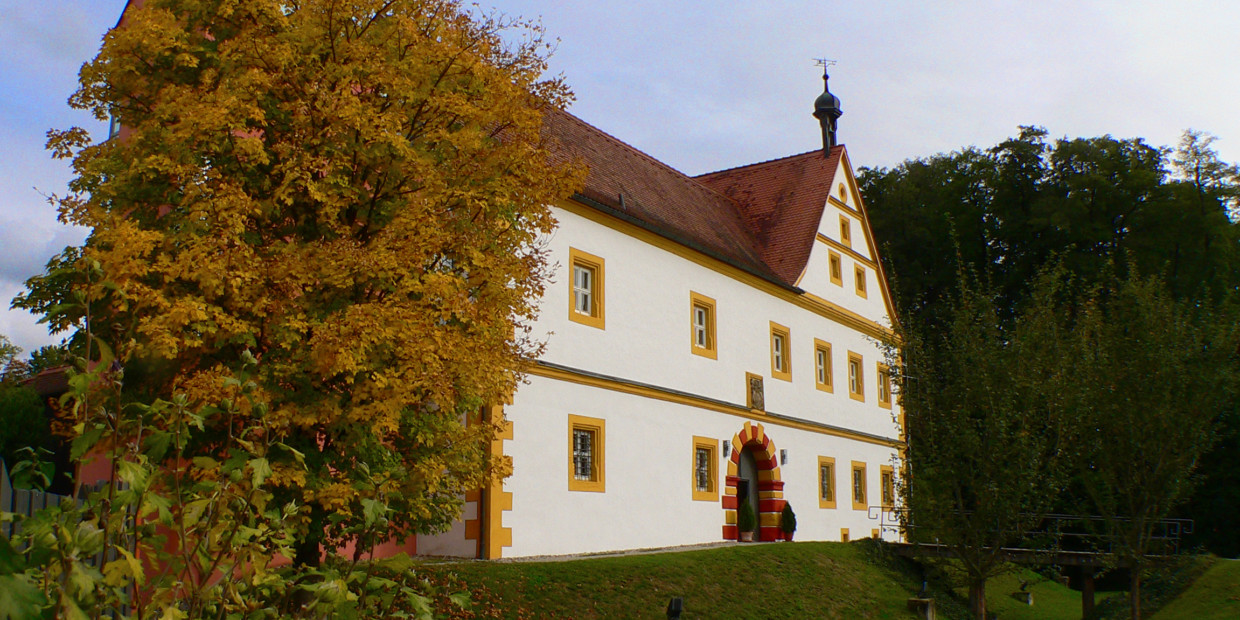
(26, 502)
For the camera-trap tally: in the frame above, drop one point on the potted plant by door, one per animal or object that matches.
(746, 521)
(788, 521)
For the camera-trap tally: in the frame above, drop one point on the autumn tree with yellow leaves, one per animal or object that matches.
(353, 194)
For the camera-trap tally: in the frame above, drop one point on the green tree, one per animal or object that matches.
(25, 424)
(48, 357)
(1015, 208)
(8, 357)
(1151, 377)
(987, 431)
(351, 192)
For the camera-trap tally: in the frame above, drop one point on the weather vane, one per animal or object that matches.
(824, 63)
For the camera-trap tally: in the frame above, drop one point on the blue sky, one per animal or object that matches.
(705, 85)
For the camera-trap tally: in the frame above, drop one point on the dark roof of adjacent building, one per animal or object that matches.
(761, 218)
(50, 382)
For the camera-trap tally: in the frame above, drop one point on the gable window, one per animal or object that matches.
(884, 386)
(826, 482)
(887, 479)
(859, 275)
(837, 272)
(585, 305)
(858, 486)
(845, 231)
(705, 464)
(586, 442)
(780, 355)
(702, 323)
(856, 382)
(822, 366)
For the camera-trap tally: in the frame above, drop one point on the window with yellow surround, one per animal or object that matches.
(826, 482)
(822, 366)
(884, 386)
(705, 468)
(585, 305)
(845, 231)
(780, 354)
(856, 380)
(888, 481)
(837, 272)
(586, 453)
(859, 278)
(702, 326)
(858, 486)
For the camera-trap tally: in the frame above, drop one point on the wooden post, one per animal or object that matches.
(1087, 591)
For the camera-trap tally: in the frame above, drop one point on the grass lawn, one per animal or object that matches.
(797, 580)
(1050, 598)
(1214, 595)
(859, 580)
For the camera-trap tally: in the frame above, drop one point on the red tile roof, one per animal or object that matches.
(761, 218)
(782, 201)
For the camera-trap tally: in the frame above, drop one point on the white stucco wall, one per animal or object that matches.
(647, 335)
(648, 451)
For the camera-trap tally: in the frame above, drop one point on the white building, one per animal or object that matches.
(708, 337)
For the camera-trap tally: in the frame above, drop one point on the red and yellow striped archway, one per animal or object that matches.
(770, 486)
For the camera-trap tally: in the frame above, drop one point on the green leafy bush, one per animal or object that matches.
(746, 520)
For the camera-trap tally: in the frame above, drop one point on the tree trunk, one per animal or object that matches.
(1134, 594)
(308, 551)
(977, 599)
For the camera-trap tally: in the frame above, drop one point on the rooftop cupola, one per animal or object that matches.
(827, 111)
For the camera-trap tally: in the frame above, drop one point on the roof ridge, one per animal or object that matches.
(691, 181)
(636, 150)
(769, 161)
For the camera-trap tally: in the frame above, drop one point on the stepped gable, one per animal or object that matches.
(635, 186)
(782, 201)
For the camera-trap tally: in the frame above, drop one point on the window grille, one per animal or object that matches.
(702, 469)
(583, 454)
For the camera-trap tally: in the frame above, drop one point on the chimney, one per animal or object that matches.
(827, 111)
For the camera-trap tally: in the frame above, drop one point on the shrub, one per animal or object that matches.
(746, 520)
(788, 519)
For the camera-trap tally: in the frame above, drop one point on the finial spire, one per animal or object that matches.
(827, 108)
(824, 63)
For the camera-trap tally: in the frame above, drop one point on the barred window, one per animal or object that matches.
(702, 469)
(858, 474)
(889, 488)
(583, 454)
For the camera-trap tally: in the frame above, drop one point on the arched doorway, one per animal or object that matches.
(762, 483)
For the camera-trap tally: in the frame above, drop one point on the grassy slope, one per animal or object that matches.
(1050, 599)
(800, 580)
(1216, 594)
